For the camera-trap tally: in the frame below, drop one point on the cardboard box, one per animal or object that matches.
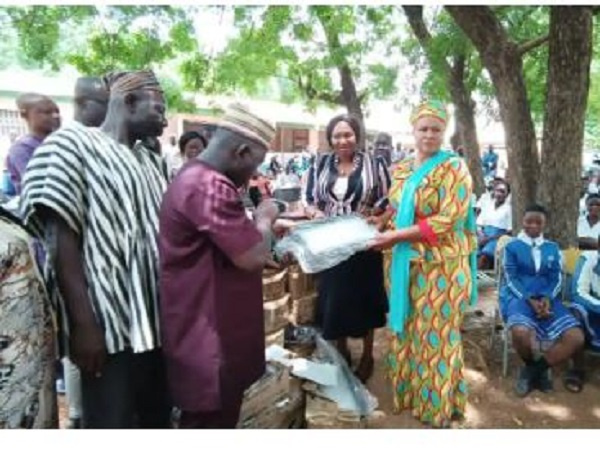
(286, 412)
(275, 338)
(304, 310)
(274, 384)
(274, 284)
(322, 413)
(276, 314)
(300, 284)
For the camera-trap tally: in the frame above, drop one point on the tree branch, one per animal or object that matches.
(483, 28)
(312, 94)
(362, 96)
(458, 67)
(348, 95)
(414, 14)
(532, 44)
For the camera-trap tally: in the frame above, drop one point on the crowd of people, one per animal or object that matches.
(143, 272)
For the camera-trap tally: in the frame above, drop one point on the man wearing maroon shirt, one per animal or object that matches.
(211, 257)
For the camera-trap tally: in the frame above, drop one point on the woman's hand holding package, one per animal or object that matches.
(380, 221)
(384, 240)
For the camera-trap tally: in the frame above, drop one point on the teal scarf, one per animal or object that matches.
(401, 255)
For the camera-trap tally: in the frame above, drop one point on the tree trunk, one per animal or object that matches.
(455, 139)
(570, 43)
(465, 121)
(454, 77)
(504, 63)
(351, 100)
(349, 94)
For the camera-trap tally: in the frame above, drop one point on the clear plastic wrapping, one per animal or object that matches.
(349, 393)
(323, 244)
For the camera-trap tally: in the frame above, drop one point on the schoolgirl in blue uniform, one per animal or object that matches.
(531, 306)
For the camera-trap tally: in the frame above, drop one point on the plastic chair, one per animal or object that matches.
(570, 257)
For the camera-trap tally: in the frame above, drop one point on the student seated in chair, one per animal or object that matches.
(495, 220)
(588, 225)
(585, 305)
(531, 306)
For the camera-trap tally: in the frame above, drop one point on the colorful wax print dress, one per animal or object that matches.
(426, 360)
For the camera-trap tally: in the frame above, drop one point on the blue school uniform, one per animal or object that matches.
(585, 296)
(533, 267)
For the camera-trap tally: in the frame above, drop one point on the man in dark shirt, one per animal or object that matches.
(43, 117)
(490, 162)
(384, 147)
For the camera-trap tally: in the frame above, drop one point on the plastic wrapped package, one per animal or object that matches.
(350, 394)
(323, 244)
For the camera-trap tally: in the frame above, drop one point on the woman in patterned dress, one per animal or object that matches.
(27, 342)
(431, 230)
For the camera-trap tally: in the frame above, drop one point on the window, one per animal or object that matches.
(11, 124)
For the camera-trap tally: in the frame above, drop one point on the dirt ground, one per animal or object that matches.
(492, 402)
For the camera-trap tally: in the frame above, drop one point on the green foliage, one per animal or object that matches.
(38, 29)
(119, 51)
(304, 47)
(175, 98)
(522, 23)
(293, 52)
(447, 43)
(96, 40)
(592, 120)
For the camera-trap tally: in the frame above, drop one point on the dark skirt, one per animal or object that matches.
(352, 298)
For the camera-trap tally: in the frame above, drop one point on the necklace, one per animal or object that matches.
(346, 171)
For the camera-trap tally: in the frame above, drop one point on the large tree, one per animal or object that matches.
(321, 53)
(453, 62)
(502, 56)
(318, 54)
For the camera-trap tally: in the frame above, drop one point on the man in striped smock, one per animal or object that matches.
(94, 195)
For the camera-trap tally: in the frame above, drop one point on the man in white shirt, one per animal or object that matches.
(588, 226)
(495, 220)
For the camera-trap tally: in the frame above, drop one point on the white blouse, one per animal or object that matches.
(340, 187)
(500, 217)
(585, 230)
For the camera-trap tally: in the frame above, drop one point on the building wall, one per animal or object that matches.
(288, 138)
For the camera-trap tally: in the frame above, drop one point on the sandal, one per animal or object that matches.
(573, 380)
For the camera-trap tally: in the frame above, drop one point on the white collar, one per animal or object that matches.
(585, 217)
(531, 242)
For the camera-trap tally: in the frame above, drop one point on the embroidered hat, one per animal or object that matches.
(125, 82)
(240, 120)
